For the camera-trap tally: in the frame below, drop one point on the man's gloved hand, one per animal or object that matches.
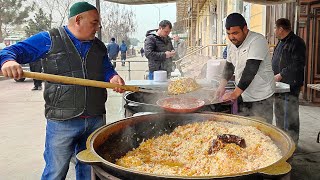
(232, 96)
(220, 92)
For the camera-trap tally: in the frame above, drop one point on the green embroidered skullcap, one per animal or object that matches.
(80, 7)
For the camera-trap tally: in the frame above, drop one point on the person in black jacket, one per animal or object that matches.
(113, 51)
(36, 67)
(142, 52)
(288, 65)
(158, 49)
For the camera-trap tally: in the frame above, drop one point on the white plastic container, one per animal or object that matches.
(175, 73)
(215, 69)
(160, 76)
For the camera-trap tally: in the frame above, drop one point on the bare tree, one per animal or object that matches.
(117, 21)
(57, 9)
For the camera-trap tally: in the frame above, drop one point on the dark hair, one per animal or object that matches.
(165, 23)
(113, 39)
(235, 19)
(284, 23)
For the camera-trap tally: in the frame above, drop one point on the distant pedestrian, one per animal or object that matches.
(142, 52)
(158, 48)
(113, 51)
(133, 51)
(224, 54)
(36, 67)
(123, 50)
(180, 48)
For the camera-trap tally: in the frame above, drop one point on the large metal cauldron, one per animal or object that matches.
(136, 102)
(113, 141)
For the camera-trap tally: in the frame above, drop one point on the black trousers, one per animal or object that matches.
(36, 67)
(261, 109)
(287, 112)
(113, 62)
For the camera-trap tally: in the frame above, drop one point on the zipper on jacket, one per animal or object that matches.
(84, 70)
(84, 67)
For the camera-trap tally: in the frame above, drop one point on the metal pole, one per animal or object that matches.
(98, 8)
(159, 15)
(159, 10)
(297, 16)
(129, 70)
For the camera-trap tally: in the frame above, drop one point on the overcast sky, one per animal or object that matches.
(147, 17)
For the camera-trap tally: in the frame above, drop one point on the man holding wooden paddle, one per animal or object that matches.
(73, 112)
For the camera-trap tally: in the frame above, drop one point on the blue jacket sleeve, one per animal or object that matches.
(29, 50)
(109, 70)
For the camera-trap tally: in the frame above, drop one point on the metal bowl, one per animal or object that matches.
(113, 141)
(180, 105)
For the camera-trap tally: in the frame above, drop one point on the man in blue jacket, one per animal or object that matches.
(123, 50)
(113, 51)
(73, 112)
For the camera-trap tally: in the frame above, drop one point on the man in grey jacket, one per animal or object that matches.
(158, 49)
(180, 48)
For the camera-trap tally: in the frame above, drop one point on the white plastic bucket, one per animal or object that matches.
(160, 76)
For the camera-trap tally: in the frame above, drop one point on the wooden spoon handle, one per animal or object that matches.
(77, 81)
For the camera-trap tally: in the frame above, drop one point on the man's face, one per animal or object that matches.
(237, 35)
(164, 32)
(176, 38)
(89, 24)
(278, 31)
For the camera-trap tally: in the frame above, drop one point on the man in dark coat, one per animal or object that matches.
(142, 52)
(288, 65)
(113, 51)
(123, 50)
(158, 49)
(36, 67)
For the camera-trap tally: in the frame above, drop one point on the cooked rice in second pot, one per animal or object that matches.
(184, 152)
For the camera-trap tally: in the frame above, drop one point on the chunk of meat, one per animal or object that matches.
(223, 139)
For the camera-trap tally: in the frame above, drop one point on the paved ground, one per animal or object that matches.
(23, 128)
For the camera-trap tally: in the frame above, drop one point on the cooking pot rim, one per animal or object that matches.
(284, 157)
(125, 97)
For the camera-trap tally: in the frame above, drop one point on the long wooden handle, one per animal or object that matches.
(77, 81)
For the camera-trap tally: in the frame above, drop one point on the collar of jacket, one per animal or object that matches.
(288, 36)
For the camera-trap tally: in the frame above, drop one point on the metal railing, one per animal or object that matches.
(196, 49)
(199, 48)
(193, 50)
(178, 63)
(129, 69)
